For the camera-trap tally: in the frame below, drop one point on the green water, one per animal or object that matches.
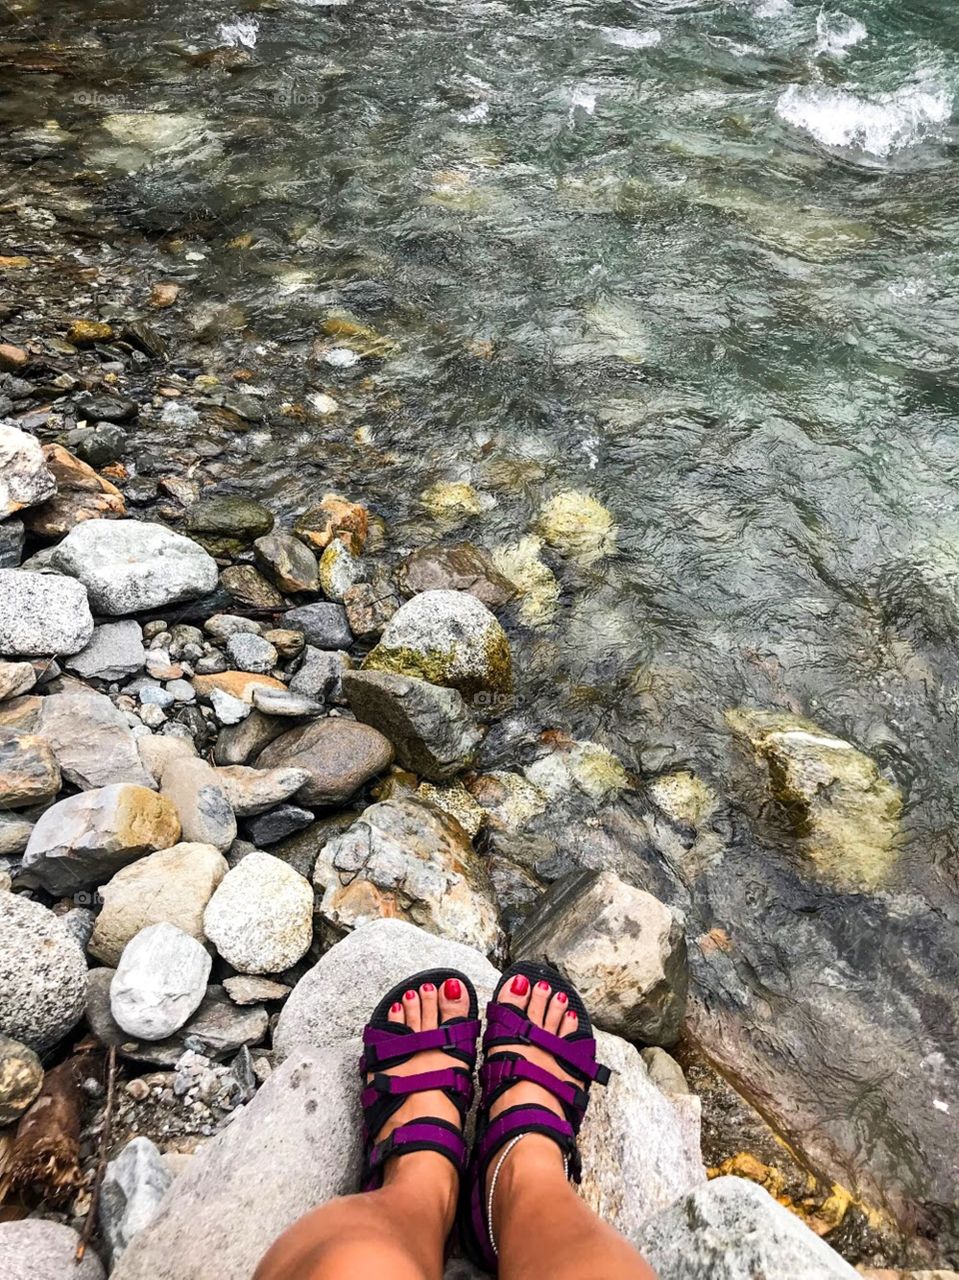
(698, 260)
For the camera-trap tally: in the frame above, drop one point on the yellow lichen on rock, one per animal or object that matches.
(539, 590)
(577, 525)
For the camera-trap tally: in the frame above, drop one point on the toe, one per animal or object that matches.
(516, 992)
(454, 1000)
(555, 1010)
(538, 1001)
(569, 1023)
(396, 1013)
(428, 1007)
(411, 1005)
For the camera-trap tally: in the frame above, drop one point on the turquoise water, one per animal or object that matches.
(698, 260)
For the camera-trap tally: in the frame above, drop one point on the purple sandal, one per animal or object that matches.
(388, 1045)
(576, 1054)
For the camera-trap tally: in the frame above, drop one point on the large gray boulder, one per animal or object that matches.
(303, 1125)
(622, 948)
(82, 840)
(43, 974)
(159, 982)
(128, 566)
(448, 638)
(732, 1229)
(91, 740)
(133, 1186)
(25, 480)
(430, 727)
(42, 614)
(36, 1249)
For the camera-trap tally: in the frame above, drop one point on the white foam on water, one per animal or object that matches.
(875, 126)
(243, 31)
(837, 34)
(476, 114)
(773, 8)
(582, 96)
(627, 38)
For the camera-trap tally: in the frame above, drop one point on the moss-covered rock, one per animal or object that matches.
(450, 639)
(577, 525)
(844, 814)
(535, 582)
(228, 524)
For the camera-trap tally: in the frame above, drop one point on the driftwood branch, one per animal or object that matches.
(105, 1135)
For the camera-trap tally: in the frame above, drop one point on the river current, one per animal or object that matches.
(698, 260)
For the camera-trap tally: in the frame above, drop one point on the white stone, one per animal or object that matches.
(24, 478)
(159, 982)
(133, 1185)
(260, 919)
(42, 614)
(206, 816)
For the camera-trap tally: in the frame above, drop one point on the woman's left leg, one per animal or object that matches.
(398, 1232)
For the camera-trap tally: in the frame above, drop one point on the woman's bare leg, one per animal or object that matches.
(398, 1232)
(540, 1224)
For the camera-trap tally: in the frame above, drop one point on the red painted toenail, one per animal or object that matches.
(520, 985)
(571, 1013)
(409, 995)
(396, 1008)
(452, 989)
(543, 986)
(561, 997)
(428, 986)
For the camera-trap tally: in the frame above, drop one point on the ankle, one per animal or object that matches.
(428, 1179)
(534, 1162)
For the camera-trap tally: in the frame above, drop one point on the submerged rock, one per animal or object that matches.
(42, 614)
(461, 567)
(577, 525)
(42, 974)
(128, 566)
(447, 638)
(406, 859)
(621, 947)
(573, 767)
(844, 814)
(539, 591)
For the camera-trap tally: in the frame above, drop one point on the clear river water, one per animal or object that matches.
(699, 260)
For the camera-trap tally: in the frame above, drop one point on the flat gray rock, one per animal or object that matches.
(43, 974)
(128, 566)
(248, 652)
(91, 740)
(319, 674)
(12, 538)
(193, 788)
(252, 791)
(36, 1249)
(115, 652)
(276, 824)
(42, 614)
(732, 1229)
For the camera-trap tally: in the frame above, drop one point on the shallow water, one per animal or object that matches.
(696, 259)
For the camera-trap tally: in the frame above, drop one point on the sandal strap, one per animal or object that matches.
(503, 1070)
(420, 1135)
(506, 1025)
(451, 1079)
(526, 1119)
(384, 1048)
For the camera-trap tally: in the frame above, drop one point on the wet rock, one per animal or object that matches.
(37, 1249)
(339, 569)
(584, 768)
(238, 684)
(140, 490)
(115, 652)
(29, 774)
(430, 727)
(275, 825)
(25, 479)
(369, 607)
(159, 982)
(227, 525)
(91, 740)
(406, 859)
(21, 1077)
(260, 919)
(251, 653)
(732, 1229)
(11, 543)
(241, 742)
(288, 704)
(334, 517)
(164, 294)
(128, 566)
(339, 755)
(319, 674)
(577, 525)
(455, 801)
(171, 886)
(133, 1185)
(205, 813)
(684, 799)
(42, 613)
(842, 811)
(42, 974)
(81, 495)
(12, 358)
(622, 948)
(84, 333)
(99, 445)
(106, 408)
(323, 625)
(287, 562)
(253, 791)
(452, 501)
(223, 625)
(461, 567)
(86, 838)
(248, 587)
(447, 638)
(539, 591)
(247, 989)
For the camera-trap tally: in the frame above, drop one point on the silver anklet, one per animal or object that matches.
(492, 1186)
